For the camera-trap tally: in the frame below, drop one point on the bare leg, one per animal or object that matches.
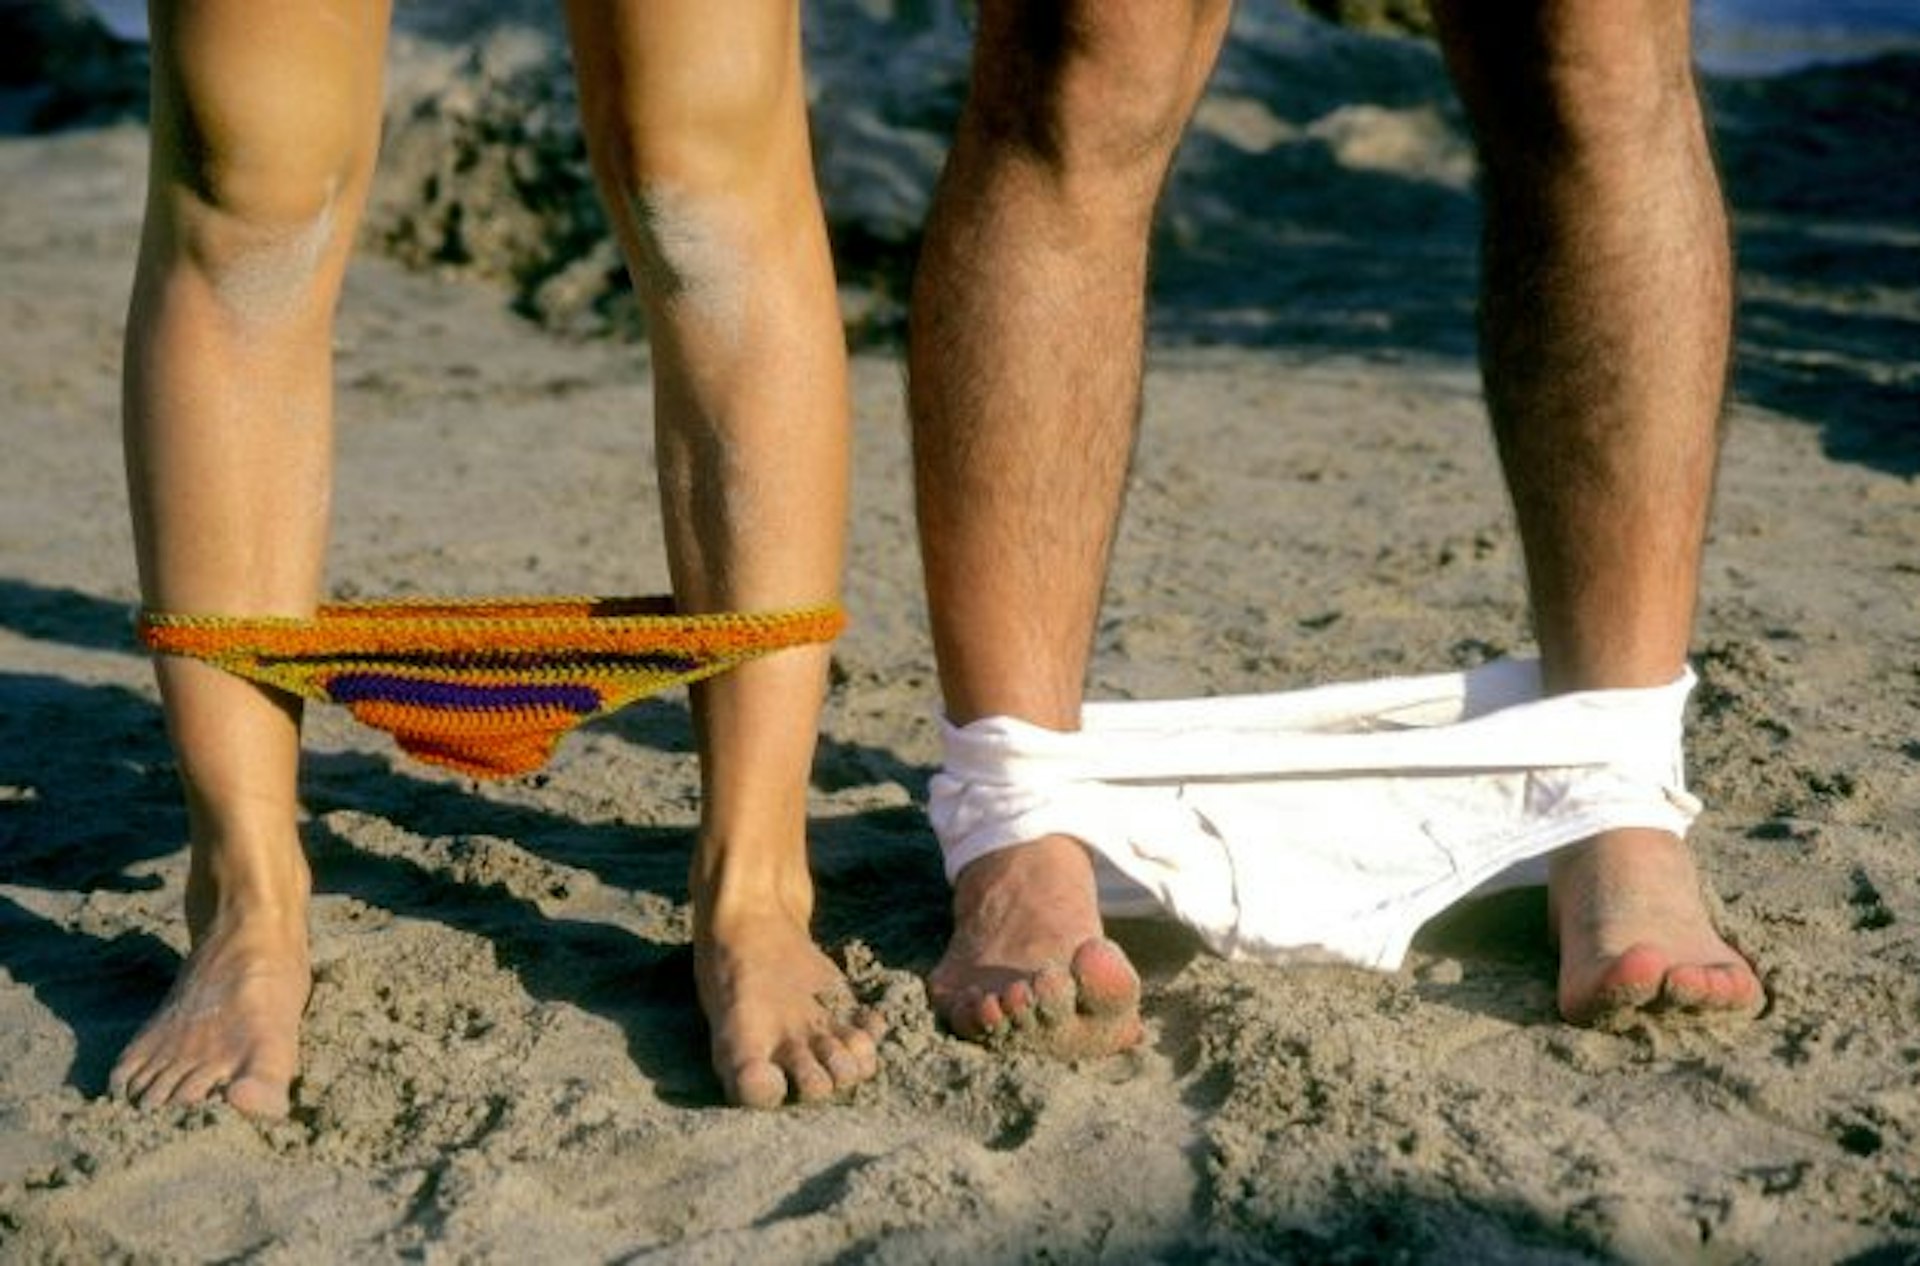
(697, 117)
(1605, 331)
(1026, 358)
(265, 121)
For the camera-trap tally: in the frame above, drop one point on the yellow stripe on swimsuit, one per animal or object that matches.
(485, 685)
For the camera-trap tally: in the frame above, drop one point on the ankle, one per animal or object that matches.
(731, 886)
(1628, 852)
(1624, 877)
(1052, 861)
(251, 878)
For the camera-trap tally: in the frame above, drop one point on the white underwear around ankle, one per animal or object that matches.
(1327, 823)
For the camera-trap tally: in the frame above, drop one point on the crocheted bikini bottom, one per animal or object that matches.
(484, 685)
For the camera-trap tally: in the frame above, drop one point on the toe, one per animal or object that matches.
(1105, 981)
(1713, 987)
(200, 1085)
(127, 1077)
(984, 1016)
(862, 1050)
(1629, 982)
(842, 1065)
(159, 1088)
(1744, 992)
(260, 1092)
(139, 1064)
(810, 1080)
(140, 1085)
(1609, 1003)
(262, 1100)
(1016, 1003)
(960, 1010)
(757, 1083)
(1056, 998)
(1692, 988)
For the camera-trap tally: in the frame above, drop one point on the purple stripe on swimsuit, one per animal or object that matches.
(387, 688)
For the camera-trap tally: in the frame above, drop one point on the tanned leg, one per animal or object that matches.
(265, 122)
(1605, 329)
(1025, 360)
(696, 114)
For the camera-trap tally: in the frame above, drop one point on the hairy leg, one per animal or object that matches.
(1025, 360)
(264, 130)
(1605, 321)
(696, 115)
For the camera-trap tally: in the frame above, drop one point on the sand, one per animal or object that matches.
(503, 1060)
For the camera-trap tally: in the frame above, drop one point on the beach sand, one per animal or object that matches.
(503, 1059)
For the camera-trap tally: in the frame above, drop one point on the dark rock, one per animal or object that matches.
(1404, 17)
(60, 67)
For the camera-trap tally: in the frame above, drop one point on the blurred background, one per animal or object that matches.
(1324, 199)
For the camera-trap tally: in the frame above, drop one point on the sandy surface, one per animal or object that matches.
(503, 1059)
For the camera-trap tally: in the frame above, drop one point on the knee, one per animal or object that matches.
(1589, 83)
(1092, 89)
(270, 191)
(257, 211)
(703, 177)
(1593, 105)
(731, 135)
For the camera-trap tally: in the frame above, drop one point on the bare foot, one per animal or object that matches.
(230, 1026)
(785, 1025)
(1028, 962)
(1635, 934)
